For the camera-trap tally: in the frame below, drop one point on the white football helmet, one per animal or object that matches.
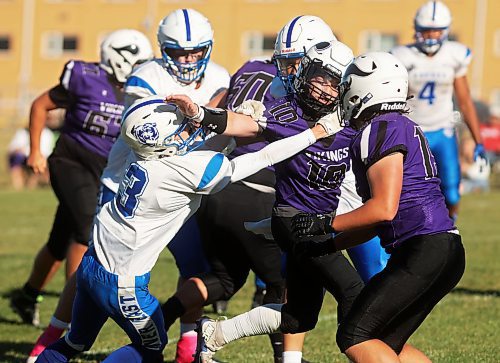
(122, 50)
(295, 39)
(152, 128)
(185, 29)
(327, 61)
(377, 81)
(433, 15)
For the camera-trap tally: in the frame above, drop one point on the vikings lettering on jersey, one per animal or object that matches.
(422, 208)
(431, 82)
(93, 121)
(310, 181)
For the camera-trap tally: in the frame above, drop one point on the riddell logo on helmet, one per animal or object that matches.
(392, 106)
(290, 50)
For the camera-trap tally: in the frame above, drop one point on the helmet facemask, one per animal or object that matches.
(183, 71)
(316, 87)
(432, 16)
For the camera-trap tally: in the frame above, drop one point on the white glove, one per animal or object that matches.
(254, 109)
(331, 123)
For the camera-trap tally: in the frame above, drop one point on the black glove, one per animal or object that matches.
(310, 248)
(309, 224)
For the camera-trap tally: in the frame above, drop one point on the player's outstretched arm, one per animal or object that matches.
(248, 164)
(217, 120)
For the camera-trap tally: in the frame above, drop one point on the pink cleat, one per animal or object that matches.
(50, 335)
(186, 348)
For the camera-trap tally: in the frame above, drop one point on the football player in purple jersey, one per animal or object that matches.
(308, 181)
(232, 250)
(396, 175)
(92, 94)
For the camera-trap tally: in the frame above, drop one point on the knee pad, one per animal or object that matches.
(292, 323)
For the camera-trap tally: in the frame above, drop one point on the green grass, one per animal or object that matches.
(464, 327)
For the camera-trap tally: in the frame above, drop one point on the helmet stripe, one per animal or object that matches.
(290, 31)
(188, 26)
(433, 10)
(142, 104)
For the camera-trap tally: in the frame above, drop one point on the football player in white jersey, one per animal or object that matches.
(161, 190)
(185, 38)
(437, 69)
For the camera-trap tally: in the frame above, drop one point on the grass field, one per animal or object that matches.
(464, 327)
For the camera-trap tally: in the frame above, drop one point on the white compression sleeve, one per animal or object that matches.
(275, 152)
(265, 319)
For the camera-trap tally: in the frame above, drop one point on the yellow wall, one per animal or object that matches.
(25, 73)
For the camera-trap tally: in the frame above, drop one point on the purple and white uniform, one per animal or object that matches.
(94, 106)
(422, 210)
(310, 181)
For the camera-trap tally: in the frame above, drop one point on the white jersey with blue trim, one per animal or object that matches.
(431, 82)
(154, 200)
(152, 78)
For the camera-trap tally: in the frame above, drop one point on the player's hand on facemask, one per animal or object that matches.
(185, 105)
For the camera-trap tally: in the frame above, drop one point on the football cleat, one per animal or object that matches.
(208, 341)
(26, 307)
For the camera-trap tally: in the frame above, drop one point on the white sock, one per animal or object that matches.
(56, 323)
(265, 319)
(292, 356)
(188, 329)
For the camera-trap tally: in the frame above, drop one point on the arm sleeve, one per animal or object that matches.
(248, 164)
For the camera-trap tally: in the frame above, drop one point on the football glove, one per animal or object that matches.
(310, 249)
(331, 123)
(254, 109)
(479, 151)
(310, 224)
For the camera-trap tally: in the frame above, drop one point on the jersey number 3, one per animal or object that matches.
(427, 92)
(131, 188)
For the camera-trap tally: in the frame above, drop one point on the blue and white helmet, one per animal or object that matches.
(433, 15)
(123, 49)
(295, 39)
(152, 128)
(185, 29)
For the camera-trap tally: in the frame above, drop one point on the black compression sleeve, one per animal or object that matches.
(215, 119)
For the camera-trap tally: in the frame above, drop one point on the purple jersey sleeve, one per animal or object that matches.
(310, 180)
(422, 209)
(93, 113)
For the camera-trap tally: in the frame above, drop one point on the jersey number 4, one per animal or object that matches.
(131, 188)
(427, 92)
